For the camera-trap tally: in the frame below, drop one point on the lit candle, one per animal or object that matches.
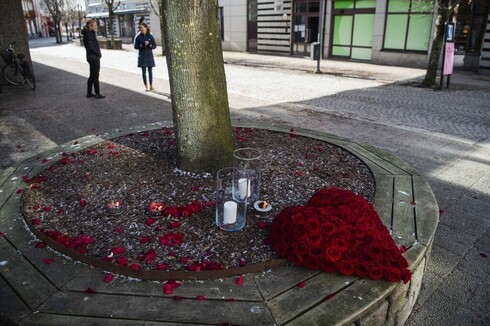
(262, 206)
(229, 212)
(244, 187)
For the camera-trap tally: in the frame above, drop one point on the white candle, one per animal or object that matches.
(244, 187)
(229, 212)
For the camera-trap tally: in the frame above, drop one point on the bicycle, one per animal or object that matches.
(17, 70)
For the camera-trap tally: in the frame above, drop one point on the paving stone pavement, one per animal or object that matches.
(443, 134)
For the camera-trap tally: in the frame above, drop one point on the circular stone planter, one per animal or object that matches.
(269, 294)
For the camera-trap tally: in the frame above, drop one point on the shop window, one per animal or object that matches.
(408, 25)
(351, 4)
(470, 18)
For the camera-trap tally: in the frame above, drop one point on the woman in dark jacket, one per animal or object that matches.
(145, 43)
(93, 57)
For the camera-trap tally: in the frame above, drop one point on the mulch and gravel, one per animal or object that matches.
(68, 201)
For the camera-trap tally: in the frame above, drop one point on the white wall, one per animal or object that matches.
(234, 24)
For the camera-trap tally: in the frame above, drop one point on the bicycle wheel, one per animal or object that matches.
(29, 76)
(12, 74)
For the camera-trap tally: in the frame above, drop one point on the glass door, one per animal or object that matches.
(306, 24)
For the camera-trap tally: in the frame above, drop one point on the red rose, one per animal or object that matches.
(346, 268)
(295, 258)
(300, 247)
(406, 276)
(352, 255)
(361, 269)
(317, 252)
(313, 239)
(327, 228)
(383, 262)
(393, 274)
(281, 248)
(328, 266)
(376, 273)
(341, 243)
(333, 253)
(312, 225)
(311, 263)
(402, 263)
(298, 219)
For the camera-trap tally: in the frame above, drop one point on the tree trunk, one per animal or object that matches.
(198, 85)
(162, 27)
(111, 27)
(435, 52)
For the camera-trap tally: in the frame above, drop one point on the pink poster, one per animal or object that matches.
(449, 59)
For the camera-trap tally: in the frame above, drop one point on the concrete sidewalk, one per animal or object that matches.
(369, 103)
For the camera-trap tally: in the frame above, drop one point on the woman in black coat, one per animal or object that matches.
(145, 43)
(93, 57)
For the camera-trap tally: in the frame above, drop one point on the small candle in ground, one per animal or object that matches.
(262, 206)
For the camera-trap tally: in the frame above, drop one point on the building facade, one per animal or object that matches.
(128, 14)
(390, 32)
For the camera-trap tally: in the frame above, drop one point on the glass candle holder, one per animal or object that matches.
(247, 161)
(231, 214)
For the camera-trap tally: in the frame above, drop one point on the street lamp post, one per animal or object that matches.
(79, 22)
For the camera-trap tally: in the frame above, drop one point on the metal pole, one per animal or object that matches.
(320, 34)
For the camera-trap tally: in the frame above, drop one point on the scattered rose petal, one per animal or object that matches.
(301, 284)
(44, 160)
(200, 298)
(239, 281)
(122, 261)
(90, 291)
(41, 244)
(178, 297)
(441, 211)
(19, 191)
(328, 297)
(109, 278)
(413, 203)
(262, 225)
(83, 202)
(117, 250)
(299, 173)
(320, 149)
(145, 239)
(135, 266)
(195, 188)
(47, 209)
(75, 142)
(167, 289)
(48, 261)
(2, 234)
(161, 267)
(119, 229)
(36, 221)
(60, 211)
(150, 221)
(242, 263)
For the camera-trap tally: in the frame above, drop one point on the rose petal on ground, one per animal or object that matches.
(83, 202)
(19, 191)
(178, 298)
(200, 298)
(239, 281)
(48, 261)
(161, 266)
(119, 229)
(47, 209)
(299, 173)
(167, 289)
(145, 239)
(41, 244)
(301, 284)
(90, 291)
(242, 263)
(109, 278)
(328, 297)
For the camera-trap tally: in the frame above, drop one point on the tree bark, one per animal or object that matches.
(201, 114)
(443, 12)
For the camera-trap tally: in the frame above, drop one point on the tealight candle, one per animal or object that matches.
(262, 206)
(244, 187)
(156, 207)
(114, 207)
(229, 212)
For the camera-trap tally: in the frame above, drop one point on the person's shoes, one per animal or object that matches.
(152, 88)
(146, 88)
(99, 96)
(90, 95)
